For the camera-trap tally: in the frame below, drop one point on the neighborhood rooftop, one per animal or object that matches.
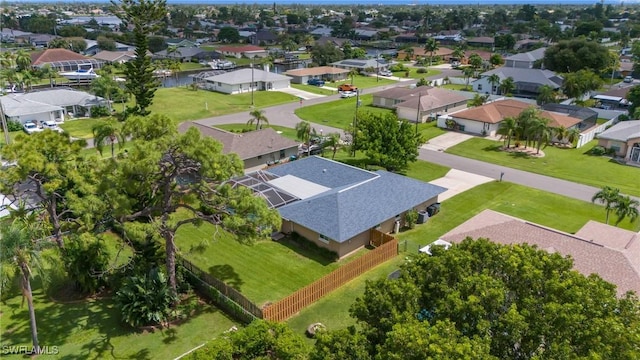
(622, 131)
(244, 76)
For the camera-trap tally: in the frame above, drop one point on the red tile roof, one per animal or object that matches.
(496, 111)
(53, 55)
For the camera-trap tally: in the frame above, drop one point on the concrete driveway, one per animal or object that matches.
(457, 181)
(300, 93)
(445, 141)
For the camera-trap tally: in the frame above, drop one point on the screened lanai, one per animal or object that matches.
(258, 183)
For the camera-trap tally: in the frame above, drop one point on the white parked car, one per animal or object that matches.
(348, 94)
(30, 128)
(52, 125)
(386, 73)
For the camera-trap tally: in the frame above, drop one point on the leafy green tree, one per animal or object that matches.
(580, 82)
(468, 73)
(578, 54)
(145, 300)
(573, 135)
(496, 60)
(104, 43)
(341, 344)
(165, 172)
(229, 35)
(608, 196)
(387, 141)
(107, 133)
(478, 100)
(49, 167)
(86, 259)
(258, 117)
(326, 54)
(476, 62)
(546, 95)
(516, 301)
(634, 98)
(146, 17)
(259, 340)
(21, 252)
(626, 207)
(541, 133)
(23, 60)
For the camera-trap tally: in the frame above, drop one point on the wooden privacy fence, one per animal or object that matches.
(225, 291)
(378, 238)
(292, 304)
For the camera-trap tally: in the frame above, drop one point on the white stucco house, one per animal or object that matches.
(244, 80)
(52, 104)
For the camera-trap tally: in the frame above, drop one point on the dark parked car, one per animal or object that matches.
(316, 82)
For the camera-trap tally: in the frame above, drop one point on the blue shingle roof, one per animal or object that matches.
(352, 208)
(325, 172)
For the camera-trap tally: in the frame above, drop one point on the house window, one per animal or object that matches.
(219, 83)
(259, 156)
(479, 87)
(282, 154)
(324, 239)
(615, 148)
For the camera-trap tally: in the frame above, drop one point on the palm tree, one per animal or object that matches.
(573, 135)
(175, 67)
(23, 59)
(333, 141)
(546, 95)
(431, 46)
(7, 59)
(353, 72)
(257, 117)
(27, 80)
(458, 53)
(626, 207)
(609, 197)
(107, 132)
(172, 50)
(560, 133)
(526, 120)
(507, 129)
(507, 86)
(21, 253)
(468, 73)
(48, 72)
(308, 41)
(493, 79)
(409, 53)
(541, 132)
(303, 133)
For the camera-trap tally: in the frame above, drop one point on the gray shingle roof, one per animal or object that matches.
(243, 76)
(532, 55)
(359, 200)
(622, 131)
(63, 97)
(533, 76)
(17, 106)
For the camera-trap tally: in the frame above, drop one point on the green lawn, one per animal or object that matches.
(426, 171)
(456, 87)
(264, 272)
(569, 164)
(414, 74)
(430, 130)
(81, 128)
(362, 82)
(185, 66)
(339, 113)
(314, 89)
(555, 211)
(333, 309)
(284, 131)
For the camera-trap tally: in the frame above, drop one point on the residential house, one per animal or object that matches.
(365, 34)
(588, 117)
(608, 251)
(41, 40)
(449, 37)
(93, 48)
(525, 60)
(362, 64)
(481, 42)
(246, 80)
(624, 139)
(321, 31)
(328, 73)
(62, 59)
(180, 43)
(11, 36)
(115, 57)
(486, 119)
(255, 148)
(527, 81)
(337, 206)
(187, 54)
(421, 103)
(52, 104)
(419, 52)
(337, 42)
(249, 51)
(263, 37)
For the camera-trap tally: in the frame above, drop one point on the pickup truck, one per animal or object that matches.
(347, 87)
(315, 82)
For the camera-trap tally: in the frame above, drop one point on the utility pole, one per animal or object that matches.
(252, 102)
(355, 122)
(418, 112)
(377, 66)
(5, 129)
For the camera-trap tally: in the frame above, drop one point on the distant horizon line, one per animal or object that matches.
(362, 2)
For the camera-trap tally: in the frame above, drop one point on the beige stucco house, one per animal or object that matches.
(624, 139)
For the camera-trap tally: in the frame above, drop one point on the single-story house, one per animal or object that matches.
(41, 40)
(588, 117)
(337, 206)
(481, 41)
(52, 104)
(525, 60)
(11, 35)
(610, 102)
(486, 119)
(624, 139)
(246, 80)
(328, 73)
(362, 64)
(418, 52)
(255, 148)
(112, 57)
(608, 251)
(93, 48)
(181, 43)
(430, 100)
(527, 81)
(265, 37)
(62, 59)
(335, 41)
(186, 54)
(249, 51)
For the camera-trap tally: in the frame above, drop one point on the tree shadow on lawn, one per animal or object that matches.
(306, 252)
(227, 274)
(513, 154)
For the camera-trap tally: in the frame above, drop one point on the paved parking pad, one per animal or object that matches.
(445, 141)
(457, 181)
